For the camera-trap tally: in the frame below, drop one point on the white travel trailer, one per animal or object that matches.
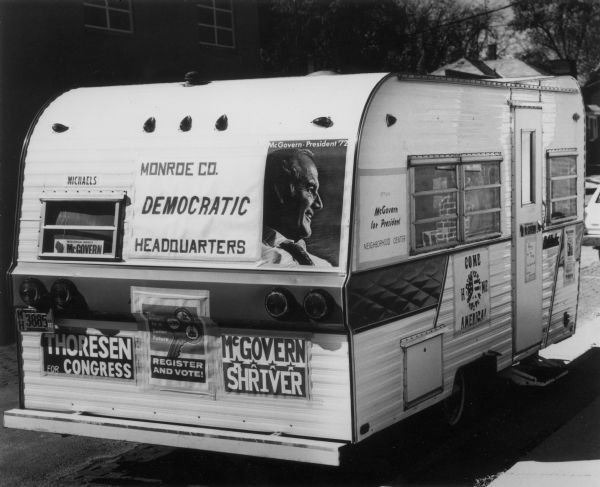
(282, 267)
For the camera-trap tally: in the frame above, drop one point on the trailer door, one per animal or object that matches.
(527, 226)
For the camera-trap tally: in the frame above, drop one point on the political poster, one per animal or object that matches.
(569, 256)
(198, 208)
(78, 246)
(383, 228)
(179, 338)
(88, 355)
(471, 289)
(265, 364)
(304, 184)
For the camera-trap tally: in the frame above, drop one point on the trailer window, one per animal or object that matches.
(455, 199)
(435, 205)
(482, 204)
(562, 186)
(80, 229)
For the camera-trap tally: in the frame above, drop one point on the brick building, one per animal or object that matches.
(48, 47)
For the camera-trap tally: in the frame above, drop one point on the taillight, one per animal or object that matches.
(278, 303)
(317, 304)
(62, 291)
(32, 291)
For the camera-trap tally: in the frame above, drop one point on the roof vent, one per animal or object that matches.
(390, 120)
(186, 124)
(193, 78)
(59, 128)
(222, 123)
(150, 125)
(323, 122)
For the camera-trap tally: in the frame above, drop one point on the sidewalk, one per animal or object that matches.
(571, 456)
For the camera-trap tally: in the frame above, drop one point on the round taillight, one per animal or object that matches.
(62, 292)
(277, 303)
(317, 304)
(32, 291)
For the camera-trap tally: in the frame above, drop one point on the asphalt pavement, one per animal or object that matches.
(571, 456)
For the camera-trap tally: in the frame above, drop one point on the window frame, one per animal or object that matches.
(107, 10)
(116, 228)
(460, 163)
(214, 9)
(550, 155)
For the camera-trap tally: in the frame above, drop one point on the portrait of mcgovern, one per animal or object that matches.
(303, 191)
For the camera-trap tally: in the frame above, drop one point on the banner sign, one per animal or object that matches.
(471, 289)
(265, 365)
(179, 339)
(206, 208)
(78, 247)
(383, 226)
(84, 355)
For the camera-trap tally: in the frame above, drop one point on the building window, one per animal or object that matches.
(454, 199)
(109, 15)
(215, 23)
(562, 185)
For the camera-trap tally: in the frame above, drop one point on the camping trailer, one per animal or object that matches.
(283, 267)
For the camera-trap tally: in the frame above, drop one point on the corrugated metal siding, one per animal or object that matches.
(327, 414)
(378, 356)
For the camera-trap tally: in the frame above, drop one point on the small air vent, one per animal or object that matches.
(186, 124)
(59, 128)
(150, 125)
(193, 78)
(222, 123)
(323, 122)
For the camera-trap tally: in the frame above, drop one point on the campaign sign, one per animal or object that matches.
(187, 370)
(265, 365)
(199, 208)
(569, 256)
(472, 293)
(82, 355)
(304, 187)
(177, 346)
(78, 246)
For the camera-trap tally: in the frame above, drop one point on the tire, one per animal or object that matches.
(455, 405)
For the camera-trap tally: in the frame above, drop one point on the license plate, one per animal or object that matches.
(30, 320)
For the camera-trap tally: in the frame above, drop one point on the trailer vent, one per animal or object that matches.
(222, 123)
(323, 122)
(150, 125)
(59, 128)
(186, 124)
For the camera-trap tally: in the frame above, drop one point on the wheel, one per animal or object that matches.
(455, 404)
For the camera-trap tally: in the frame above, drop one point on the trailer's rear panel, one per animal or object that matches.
(144, 227)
